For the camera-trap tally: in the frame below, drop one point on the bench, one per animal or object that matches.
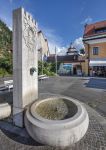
(8, 84)
(3, 87)
(43, 77)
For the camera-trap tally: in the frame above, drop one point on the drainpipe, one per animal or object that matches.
(5, 110)
(88, 60)
(88, 56)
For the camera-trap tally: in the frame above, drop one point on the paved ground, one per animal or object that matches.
(90, 91)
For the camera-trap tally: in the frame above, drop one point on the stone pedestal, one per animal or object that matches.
(25, 67)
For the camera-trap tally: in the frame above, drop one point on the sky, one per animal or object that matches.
(62, 21)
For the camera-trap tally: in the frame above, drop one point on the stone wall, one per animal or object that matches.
(25, 67)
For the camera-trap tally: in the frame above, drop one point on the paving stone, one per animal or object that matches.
(95, 138)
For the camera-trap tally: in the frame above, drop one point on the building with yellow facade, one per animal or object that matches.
(94, 39)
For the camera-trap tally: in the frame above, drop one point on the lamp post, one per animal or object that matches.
(56, 59)
(42, 59)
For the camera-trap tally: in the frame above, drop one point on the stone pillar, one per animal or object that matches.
(25, 67)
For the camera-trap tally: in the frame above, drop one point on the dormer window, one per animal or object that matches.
(101, 30)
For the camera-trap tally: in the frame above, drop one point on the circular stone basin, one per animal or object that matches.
(57, 121)
(54, 109)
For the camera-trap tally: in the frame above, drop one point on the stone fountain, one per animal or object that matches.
(55, 121)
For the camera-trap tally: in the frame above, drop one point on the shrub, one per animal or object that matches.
(48, 68)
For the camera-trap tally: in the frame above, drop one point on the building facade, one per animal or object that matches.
(43, 48)
(72, 50)
(70, 64)
(94, 39)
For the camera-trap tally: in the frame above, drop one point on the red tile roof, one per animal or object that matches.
(89, 29)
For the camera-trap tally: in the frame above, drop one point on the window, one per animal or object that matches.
(95, 50)
(101, 30)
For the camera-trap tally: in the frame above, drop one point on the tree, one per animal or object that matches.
(6, 63)
(5, 49)
(48, 68)
(82, 51)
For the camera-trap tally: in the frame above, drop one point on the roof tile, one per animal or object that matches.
(89, 29)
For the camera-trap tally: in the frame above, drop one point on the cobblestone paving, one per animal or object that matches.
(95, 139)
(91, 91)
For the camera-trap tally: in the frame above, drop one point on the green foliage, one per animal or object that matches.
(5, 50)
(53, 66)
(5, 37)
(6, 64)
(48, 68)
(82, 51)
(3, 72)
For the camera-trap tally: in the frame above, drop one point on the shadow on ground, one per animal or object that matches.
(20, 139)
(97, 83)
(6, 97)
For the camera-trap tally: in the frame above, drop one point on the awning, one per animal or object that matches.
(97, 63)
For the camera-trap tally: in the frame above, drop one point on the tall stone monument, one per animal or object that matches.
(25, 67)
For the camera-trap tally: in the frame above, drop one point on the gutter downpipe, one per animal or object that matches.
(88, 60)
(88, 56)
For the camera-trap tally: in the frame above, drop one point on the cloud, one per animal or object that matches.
(78, 43)
(10, 28)
(62, 51)
(83, 6)
(10, 1)
(54, 40)
(87, 20)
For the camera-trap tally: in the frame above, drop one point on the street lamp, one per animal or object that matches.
(56, 59)
(42, 59)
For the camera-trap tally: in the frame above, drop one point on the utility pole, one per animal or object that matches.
(42, 59)
(56, 59)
